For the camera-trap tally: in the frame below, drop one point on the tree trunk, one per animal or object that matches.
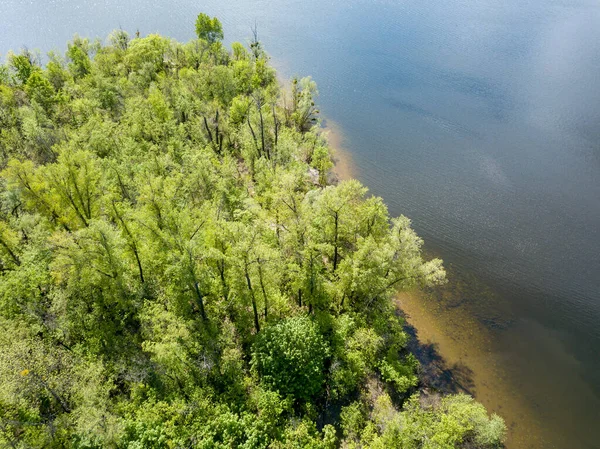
(276, 123)
(14, 257)
(262, 131)
(133, 243)
(335, 250)
(264, 292)
(197, 290)
(254, 308)
(253, 136)
(208, 129)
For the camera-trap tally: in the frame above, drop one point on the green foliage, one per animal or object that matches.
(304, 435)
(289, 357)
(353, 421)
(40, 90)
(402, 375)
(302, 113)
(356, 351)
(55, 71)
(78, 55)
(119, 39)
(175, 270)
(23, 65)
(444, 423)
(209, 29)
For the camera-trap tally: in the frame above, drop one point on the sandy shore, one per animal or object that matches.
(457, 350)
(460, 358)
(344, 166)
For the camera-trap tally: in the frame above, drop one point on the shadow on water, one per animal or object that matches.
(460, 333)
(436, 373)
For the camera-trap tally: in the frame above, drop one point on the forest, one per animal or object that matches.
(180, 269)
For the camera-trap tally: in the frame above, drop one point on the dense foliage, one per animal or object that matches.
(176, 269)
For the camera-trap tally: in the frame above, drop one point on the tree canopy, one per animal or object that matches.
(209, 29)
(174, 274)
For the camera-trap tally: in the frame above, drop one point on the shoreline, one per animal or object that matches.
(343, 168)
(454, 348)
(456, 354)
(343, 165)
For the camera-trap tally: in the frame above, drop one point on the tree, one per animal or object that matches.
(78, 54)
(209, 29)
(431, 423)
(289, 357)
(39, 89)
(23, 64)
(173, 273)
(302, 112)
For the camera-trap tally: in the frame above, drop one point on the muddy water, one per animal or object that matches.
(455, 348)
(344, 167)
(462, 352)
(461, 332)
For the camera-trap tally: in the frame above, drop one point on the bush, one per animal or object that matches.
(289, 357)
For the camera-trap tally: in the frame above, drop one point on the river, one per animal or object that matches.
(478, 120)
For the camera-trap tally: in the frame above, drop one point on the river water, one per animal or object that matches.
(478, 120)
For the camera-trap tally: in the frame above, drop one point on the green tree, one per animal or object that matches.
(209, 29)
(78, 54)
(289, 357)
(176, 270)
(39, 89)
(23, 64)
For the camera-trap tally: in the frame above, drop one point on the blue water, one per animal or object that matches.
(479, 120)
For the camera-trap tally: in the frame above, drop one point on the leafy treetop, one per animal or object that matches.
(179, 269)
(209, 29)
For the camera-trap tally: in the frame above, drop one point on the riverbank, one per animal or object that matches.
(455, 348)
(344, 167)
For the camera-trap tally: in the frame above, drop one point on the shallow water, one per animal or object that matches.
(480, 121)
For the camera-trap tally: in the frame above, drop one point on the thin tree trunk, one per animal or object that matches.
(208, 129)
(389, 285)
(197, 290)
(253, 136)
(276, 122)
(14, 257)
(254, 308)
(133, 243)
(200, 299)
(221, 268)
(335, 251)
(262, 131)
(217, 133)
(264, 292)
(54, 394)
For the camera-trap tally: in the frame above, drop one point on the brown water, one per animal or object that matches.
(459, 349)
(344, 167)
(466, 350)
(462, 331)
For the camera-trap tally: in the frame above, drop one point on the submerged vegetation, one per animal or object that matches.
(178, 270)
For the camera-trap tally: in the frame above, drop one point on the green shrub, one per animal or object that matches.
(290, 356)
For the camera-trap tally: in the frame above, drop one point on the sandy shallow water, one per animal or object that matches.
(463, 360)
(456, 348)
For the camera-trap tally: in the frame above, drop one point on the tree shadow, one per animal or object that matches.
(436, 373)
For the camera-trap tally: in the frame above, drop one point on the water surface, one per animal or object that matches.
(479, 120)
